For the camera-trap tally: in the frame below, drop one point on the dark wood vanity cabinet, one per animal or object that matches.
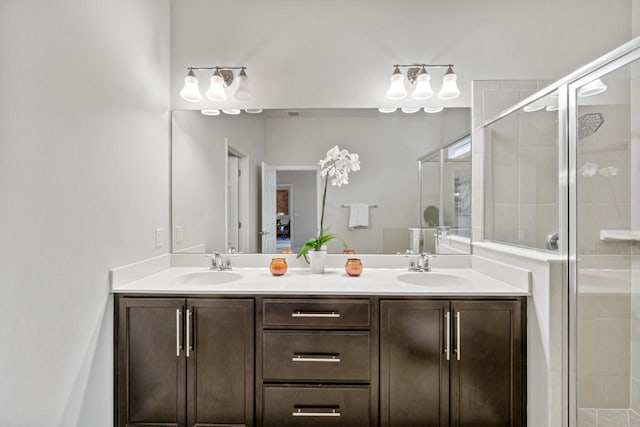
(184, 362)
(318, 362)
(452, 363)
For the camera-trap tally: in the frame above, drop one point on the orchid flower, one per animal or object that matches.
(334, 168)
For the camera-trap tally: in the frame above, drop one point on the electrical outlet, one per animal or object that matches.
(158, 235)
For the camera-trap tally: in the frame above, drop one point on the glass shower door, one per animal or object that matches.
(605, 118)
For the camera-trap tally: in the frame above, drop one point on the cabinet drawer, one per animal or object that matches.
(316, 356)
(316, 407)
(321, 313)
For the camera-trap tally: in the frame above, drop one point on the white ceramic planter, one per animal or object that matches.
(318, 260)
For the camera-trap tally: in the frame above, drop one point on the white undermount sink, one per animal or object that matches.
(432, 279)
(208, 278)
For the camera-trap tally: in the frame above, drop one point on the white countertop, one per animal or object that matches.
(300, 281)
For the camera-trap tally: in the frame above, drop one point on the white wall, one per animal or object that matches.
(84, 179)
(388, 147)
(337, 53)
(199, 175)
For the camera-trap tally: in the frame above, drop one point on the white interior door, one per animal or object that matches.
(269, 187)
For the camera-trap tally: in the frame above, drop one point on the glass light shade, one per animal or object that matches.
(242, 92)
(423, 87)
(449, 88)
(396, 86)
(190, 92)
(210, 112)
(410, 110)
(595, 87)
(387, 110)
(433, 110)
(253, 110)
(231, 111)
(532, 107)
(216, 90)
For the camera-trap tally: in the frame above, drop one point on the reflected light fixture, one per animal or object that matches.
(221, 79)
(433, 110)
(210, 112)
(592, 88)
(253, 110)
(417, 75)
(387, 110)
(410, 110)
(530, 108)
(231, 111)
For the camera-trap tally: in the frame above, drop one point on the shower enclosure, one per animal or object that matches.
(562, 174)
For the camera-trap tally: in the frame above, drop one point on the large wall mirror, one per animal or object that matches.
(239, 180)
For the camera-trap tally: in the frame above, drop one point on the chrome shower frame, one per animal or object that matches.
(567, 88)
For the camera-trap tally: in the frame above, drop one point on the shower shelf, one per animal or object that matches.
(624, 235)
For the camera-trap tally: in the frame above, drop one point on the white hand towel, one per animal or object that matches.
(358, 215)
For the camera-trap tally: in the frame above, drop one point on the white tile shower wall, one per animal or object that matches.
(490, 97)
(521, 173)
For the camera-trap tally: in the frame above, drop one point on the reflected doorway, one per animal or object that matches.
(284, 195)
(300, 209)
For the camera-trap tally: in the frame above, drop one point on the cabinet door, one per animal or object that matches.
(414, 371)
(220, 362)
(151, 368)
(486, 370)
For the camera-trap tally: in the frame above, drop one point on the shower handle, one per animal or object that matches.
(552, 241)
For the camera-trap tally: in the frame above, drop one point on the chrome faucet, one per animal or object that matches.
(217, 263)
(423, 264)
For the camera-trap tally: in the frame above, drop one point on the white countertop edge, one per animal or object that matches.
(520, 252)
(383, 282)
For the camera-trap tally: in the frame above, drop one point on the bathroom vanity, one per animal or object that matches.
(316, 350)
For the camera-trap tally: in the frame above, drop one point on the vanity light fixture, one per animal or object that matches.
(387, 110)
(410, 110)
(221, 78)
(253, 110)
(210, 112)
(433, 110)
(417, 75)
(592, 88)
(231, 111)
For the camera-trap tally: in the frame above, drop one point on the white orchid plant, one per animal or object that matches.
(334, 168)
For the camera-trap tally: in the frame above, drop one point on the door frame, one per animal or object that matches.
(243, 197)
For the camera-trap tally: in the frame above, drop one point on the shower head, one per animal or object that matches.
(589, 124)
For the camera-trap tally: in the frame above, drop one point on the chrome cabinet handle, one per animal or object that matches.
(178, 315)
(188, 333)
(447, 336)
(314, 314)
(458, 335)
(316, 358)
(299, 413)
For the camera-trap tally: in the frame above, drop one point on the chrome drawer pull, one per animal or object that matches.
(315, 314)
(447, 336)
(178, 315)
(299, 413)
(458, 336)
(188, 332)
(316, 358)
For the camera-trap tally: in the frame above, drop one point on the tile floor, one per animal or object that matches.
(608, 418)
